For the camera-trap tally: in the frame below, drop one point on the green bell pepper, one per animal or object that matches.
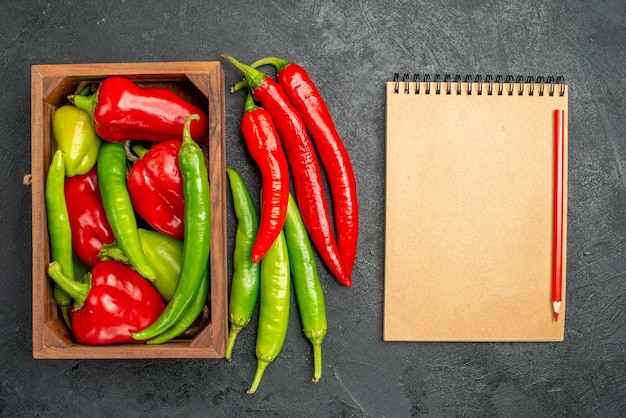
(164, 254)
(75, 135)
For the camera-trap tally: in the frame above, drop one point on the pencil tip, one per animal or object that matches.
(556, 308)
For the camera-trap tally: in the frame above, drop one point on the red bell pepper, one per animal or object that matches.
(113, 301)
(88, 221)
(156, 189)
(121, 110)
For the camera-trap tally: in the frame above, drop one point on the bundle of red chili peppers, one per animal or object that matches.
(292, 116)
(117, 275)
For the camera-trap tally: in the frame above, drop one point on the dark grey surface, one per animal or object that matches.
(350, 50)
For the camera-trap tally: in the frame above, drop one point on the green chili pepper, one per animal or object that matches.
(192, 313)
(306, 284)
(273, 307)
(197, 234)
(165, 255)
(62, 298)
(117, 205)
(244, 288)
(59, 229)
(75, 135)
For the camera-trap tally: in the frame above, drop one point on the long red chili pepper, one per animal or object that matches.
(305, 169)
(90, 226)
(265, 148)
(307, 99)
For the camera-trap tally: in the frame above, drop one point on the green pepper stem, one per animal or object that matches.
(317, 362)
(253, 77)
(65, 312)
(63, 300)
(187, 139)
(78, 291)
(275, 62)
(260, 369)
(232, 336)
(87, 103)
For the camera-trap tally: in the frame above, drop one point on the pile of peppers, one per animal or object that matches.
(128, 213)
(288, 131)
(127, 202)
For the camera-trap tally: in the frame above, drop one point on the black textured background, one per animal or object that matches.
(350, 50)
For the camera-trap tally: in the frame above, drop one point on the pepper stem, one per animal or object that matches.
(113, 252)
(63, 300)
(78, 291)
(86, 103)
(317, 362)
(187, 139)
(249, 105)
(232, 336)
(253, 77)
(241, 84)
(275, 62)
(260, 369)
(65, 312)
(139, 150)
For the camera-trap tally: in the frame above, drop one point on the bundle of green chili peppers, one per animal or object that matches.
(289, 258)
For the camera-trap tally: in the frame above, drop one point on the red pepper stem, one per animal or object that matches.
(113, 252)
(241, 84)
(78, 291)
(275, 62)
(139, 150)
(87, 103)
(249, 104)
(253, 77)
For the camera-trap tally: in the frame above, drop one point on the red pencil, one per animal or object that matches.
(557, 273)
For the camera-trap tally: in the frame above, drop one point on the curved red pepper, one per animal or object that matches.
(305, 169)
(121, 110)
(113, 302)
(156, 189)
(306, 98)
(88, 221)
(266, 150)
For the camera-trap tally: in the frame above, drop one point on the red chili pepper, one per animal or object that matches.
(121, 110)
(113, 301)
(305, 169)
(88, 221)
(266, 150)
(155, 187)
(307, 99)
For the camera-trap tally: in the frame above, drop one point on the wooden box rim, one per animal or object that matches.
(48, 83)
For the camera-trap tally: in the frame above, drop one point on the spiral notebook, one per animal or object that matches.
(470, 208)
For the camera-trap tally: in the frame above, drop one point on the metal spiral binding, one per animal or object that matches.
(439, 84)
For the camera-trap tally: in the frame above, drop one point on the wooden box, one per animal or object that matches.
(202, 83)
